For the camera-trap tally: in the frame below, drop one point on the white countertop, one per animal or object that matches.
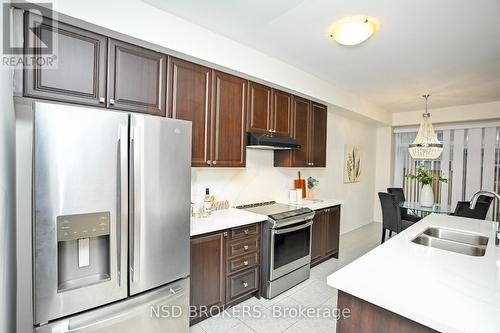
(315, 205)
(443, 290)
(224, 219)
(233, 217)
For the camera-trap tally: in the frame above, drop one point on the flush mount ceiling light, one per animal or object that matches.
(353, 30)
(426, 145)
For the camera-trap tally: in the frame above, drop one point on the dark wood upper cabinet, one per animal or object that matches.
(309, 129)
(228, 120)
(301, 128)
(259, 108)
(301, 120)
(282, 113)
(96, 70)
(208, 271)
(137, 79)
(189, 99)
(269, 110)
(78, 74)
(318, 135)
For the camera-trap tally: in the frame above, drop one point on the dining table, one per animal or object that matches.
(423, 211)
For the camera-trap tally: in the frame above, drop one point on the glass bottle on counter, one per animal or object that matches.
(207, 203)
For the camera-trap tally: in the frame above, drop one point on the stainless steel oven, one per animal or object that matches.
(290, 248)
(286, 246)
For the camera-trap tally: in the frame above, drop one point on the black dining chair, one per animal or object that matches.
(406, 214)
(391, 215)
(479, 212)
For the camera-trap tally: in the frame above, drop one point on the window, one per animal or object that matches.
(470, 161)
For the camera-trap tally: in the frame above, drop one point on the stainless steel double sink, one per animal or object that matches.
(458, 241)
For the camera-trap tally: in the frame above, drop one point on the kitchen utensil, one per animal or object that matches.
(300, 183)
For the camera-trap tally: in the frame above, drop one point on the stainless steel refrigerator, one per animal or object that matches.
(111, 221)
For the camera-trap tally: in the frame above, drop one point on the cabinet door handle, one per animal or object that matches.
(245, 248)
(214, 162)
(225, 234)
(246, 232)
(245, 284)
(102, 100)
(111, 101)
(245, 263)
(209, 162)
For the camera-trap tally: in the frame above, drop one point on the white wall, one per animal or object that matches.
(384, 167)
(453, 114)
(260, 181)
(143, 21)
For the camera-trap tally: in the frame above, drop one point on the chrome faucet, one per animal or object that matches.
(473, 202)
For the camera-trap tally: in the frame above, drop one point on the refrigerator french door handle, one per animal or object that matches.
(135, 203)
(121, 184)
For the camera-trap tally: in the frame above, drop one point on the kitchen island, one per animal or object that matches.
(404, 286)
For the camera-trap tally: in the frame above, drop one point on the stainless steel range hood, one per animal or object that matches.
(271, 142)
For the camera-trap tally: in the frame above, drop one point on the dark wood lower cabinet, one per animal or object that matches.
(225, 269)
(208, 287)
(365, 317)
(325, 235)
(318, 237)
(332, 231)
(242, 283)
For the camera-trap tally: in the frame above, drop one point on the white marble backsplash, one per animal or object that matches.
(258, 181)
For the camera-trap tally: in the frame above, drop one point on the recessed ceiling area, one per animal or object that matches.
(449, 48)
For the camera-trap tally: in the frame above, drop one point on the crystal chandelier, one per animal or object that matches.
(426, 145)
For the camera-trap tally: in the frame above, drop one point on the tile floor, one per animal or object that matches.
(313, 293)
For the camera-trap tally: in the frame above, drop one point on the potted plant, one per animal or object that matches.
(423, 177)
(311, 183)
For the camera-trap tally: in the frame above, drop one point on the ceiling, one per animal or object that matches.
(450, 48)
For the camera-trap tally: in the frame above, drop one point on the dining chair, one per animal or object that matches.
(391, 215)
(406, 213)
(479, 212)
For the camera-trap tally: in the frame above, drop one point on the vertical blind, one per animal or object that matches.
(470, 161)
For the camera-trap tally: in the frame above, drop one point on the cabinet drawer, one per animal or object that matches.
(237, 264)
(242, 283)
(244, 232)
(243, 246)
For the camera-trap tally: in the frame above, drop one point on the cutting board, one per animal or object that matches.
(300, 183)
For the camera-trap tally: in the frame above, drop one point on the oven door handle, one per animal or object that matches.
(302, 226)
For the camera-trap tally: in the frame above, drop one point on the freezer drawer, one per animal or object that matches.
(158, 311)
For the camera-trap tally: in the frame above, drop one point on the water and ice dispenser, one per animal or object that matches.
(83, 250)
